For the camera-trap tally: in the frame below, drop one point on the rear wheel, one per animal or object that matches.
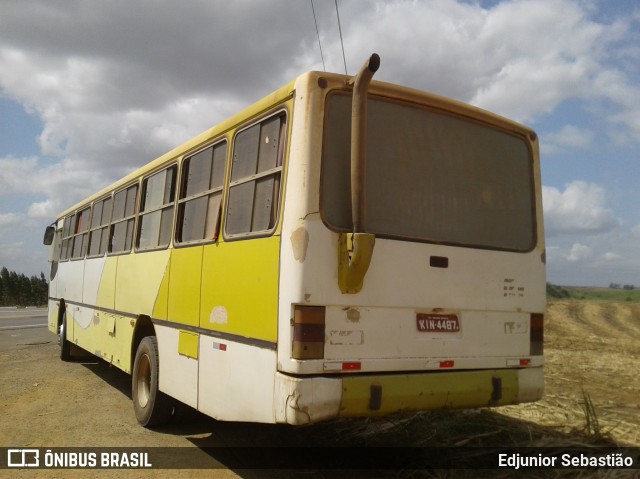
(151, 406)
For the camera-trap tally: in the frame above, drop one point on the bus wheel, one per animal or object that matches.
(65, 345)
(151, 406)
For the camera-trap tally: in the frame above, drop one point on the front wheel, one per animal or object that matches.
(151, 406)
(65, 345)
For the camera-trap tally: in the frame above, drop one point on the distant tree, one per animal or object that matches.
(44, 289)
(614, 285)
(557, 292)
(26, 293)
(19, 290)
(6, 280)
(39, 290)
(628, 287)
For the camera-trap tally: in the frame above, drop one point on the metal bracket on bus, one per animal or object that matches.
(355, 251)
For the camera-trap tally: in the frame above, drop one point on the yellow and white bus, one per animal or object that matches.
(344, 247)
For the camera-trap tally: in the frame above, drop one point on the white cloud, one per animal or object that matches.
(611, 256)
(15, 174)
(118, 83)
(8, 220)
(43, 210)
(518, 58)
(579, 252)
(580, 208)
(569, 136)
(594, 260)
(62, 183)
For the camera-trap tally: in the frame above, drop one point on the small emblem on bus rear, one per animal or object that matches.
(437, 323)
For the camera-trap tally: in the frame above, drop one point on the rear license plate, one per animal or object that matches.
(437, 323)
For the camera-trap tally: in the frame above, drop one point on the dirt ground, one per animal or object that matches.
(592, 350)
(592, 354)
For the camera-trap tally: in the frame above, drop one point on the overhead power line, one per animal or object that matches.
(318, 34)
(341, 42)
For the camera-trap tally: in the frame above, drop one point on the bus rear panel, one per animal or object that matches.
(449, 313)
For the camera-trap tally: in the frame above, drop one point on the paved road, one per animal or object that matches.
(20, 327)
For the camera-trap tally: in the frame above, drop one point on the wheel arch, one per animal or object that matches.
(62, 309)
(143, 328)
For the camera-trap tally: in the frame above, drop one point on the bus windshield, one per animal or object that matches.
(455, 181)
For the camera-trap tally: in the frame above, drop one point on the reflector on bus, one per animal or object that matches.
(308, 332)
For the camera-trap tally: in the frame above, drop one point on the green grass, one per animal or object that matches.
(555, 292)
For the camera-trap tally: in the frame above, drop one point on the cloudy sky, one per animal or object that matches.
(91, 90)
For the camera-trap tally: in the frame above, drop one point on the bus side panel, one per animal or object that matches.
(184, 285)
(126, 286)
(236, 381)
(54, 266)
(177, 348)
(86, 321)
(53, 307)
(89, 331)
(239, 299)
(178, 372)
(106, 335)
(106, 297)
(240, 288)
(70, 288)
(138, 281)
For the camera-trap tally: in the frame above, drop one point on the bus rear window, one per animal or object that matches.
(430, 177)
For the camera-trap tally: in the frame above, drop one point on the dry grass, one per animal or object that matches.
(592, 399)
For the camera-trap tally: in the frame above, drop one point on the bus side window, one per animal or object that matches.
(255, 177)
(98, 235)
(121, 233)
(67, 237)
(81, 233)
(201, 194)
(156, 209)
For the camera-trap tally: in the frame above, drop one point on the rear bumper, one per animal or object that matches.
(314, 399)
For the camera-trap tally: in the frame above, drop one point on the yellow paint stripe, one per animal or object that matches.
(188, 344)
(434, 390)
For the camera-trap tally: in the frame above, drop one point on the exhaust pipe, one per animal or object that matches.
(358, 138)
(356, 249)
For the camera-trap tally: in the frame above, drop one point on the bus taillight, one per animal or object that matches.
(536, 334)
(308, 332)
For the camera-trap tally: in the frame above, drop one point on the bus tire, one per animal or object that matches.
(151, 406)
(65, 345)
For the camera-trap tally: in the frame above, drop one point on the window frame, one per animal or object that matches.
(133, 217)
(278, 172)
(57, 243)
(532, 205)
(140, 214)
(83, 235)
(104, 227)
(181, 201)
(67, 237)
